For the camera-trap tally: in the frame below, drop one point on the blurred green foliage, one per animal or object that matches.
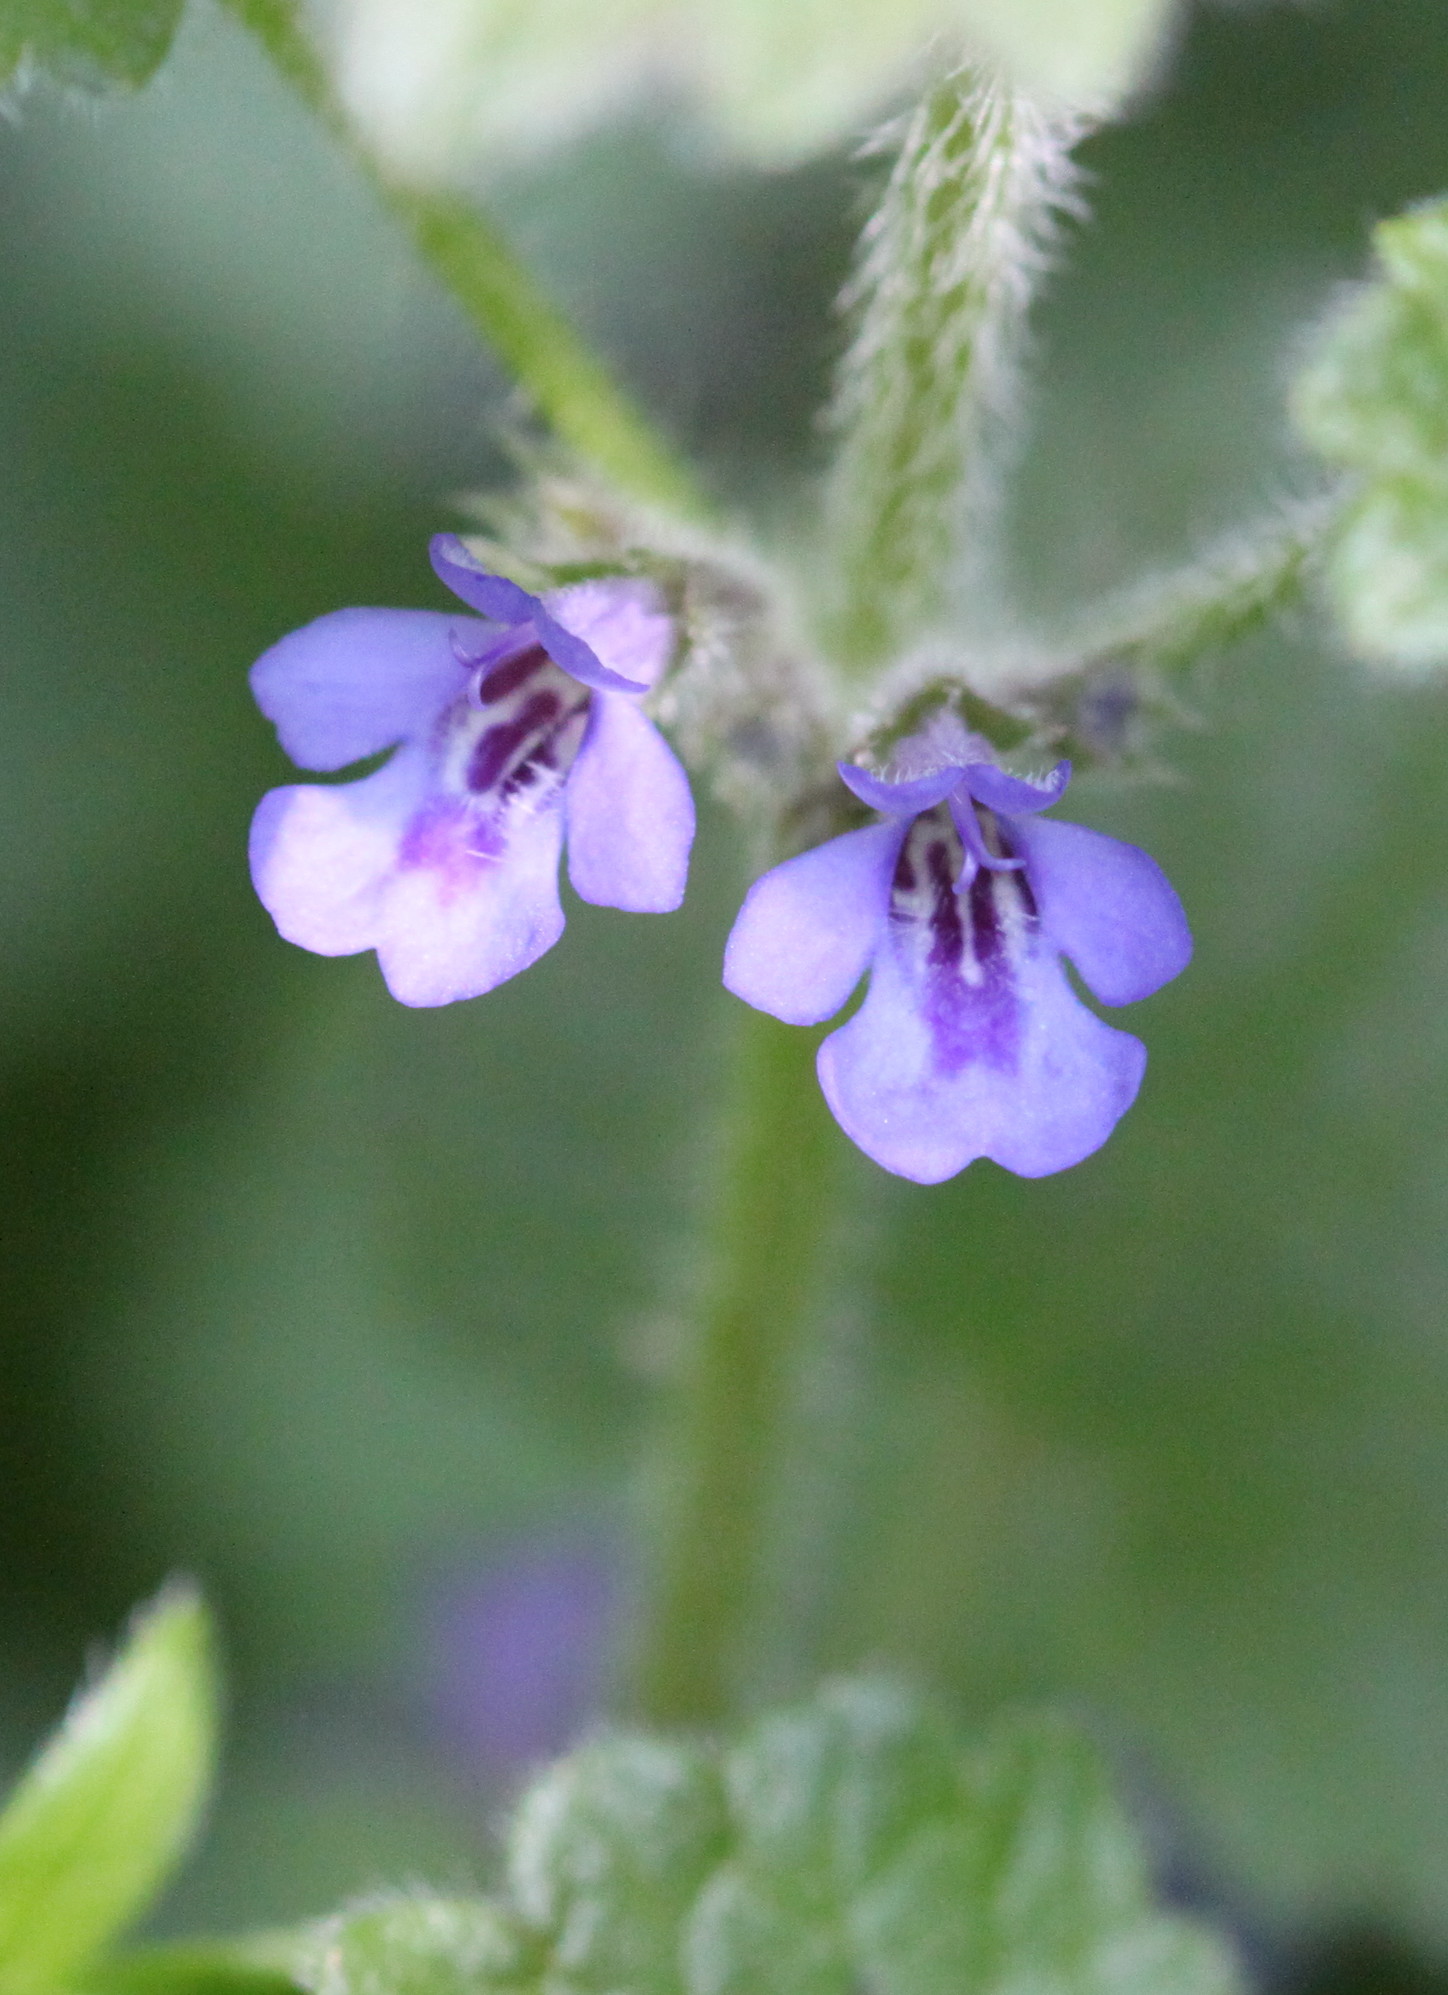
(87, 41)
(318, 1297)
(844, 1843)
(1374, 399)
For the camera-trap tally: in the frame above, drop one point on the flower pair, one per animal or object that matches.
(520, 729)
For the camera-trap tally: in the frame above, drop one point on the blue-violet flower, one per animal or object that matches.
(970, 1042)
(511, 734)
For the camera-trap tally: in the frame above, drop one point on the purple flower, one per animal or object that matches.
(970, 1042)
(511, 735)
(519, 1648)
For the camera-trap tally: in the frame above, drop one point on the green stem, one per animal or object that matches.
(927, 388)
(1252, 576)
(568, 384)
(776, 1219)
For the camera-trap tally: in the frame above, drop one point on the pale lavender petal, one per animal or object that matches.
(623, 621)
(629, 812)
(905, 799)
(503, 600)
(579, 659)
(323, 857)
(1050, 1098)
(470, 905)
(805, 934)
(1108, 906)
(1015, 794)
(357, 681)
(494, 595)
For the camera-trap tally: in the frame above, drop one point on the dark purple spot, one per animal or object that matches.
(526, 773)
(985, 918)
(947, 930)
(498, 745)
(904, 880)
(511, 674)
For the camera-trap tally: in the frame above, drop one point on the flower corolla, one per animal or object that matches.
(961, 904)
(513, 731)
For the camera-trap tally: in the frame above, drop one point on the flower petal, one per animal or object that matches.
(905, 799)
(357, 681)
(503, 600)
(456, 922)
(997, 790)
(630, 815)
(622, 620)
(805, 934)
(322, 856)
(494, 595)
(1067, 1081)
(1108, 906)
(578, 659)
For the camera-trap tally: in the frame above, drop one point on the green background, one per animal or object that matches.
(328, 1301)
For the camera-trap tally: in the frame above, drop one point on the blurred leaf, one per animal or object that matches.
(1088, 55)
(440, 88)
(411, 1946)
(1374, 399)
(242, 1968)
(101, 1816)
(88, 41)
(846, 1844)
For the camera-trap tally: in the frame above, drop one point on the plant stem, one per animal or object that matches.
(778, 1198)
(927, 389)
(568, 384)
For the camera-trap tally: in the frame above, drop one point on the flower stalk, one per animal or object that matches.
(569, 386)
(733, 1397)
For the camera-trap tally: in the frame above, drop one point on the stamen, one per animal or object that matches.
(980, 834)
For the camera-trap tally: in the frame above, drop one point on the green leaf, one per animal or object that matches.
(246, 1967)
(88, 41)
(1373, 400)
(412, 1946)
(101, 1816)
(848, 1844)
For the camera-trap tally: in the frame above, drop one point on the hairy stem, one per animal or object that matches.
(570, 387)
(947, 268)
(733, 1397)
(1232, 589)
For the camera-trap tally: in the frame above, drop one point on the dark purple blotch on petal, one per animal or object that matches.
(506, 677)
(947, 929)
(497, 745)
